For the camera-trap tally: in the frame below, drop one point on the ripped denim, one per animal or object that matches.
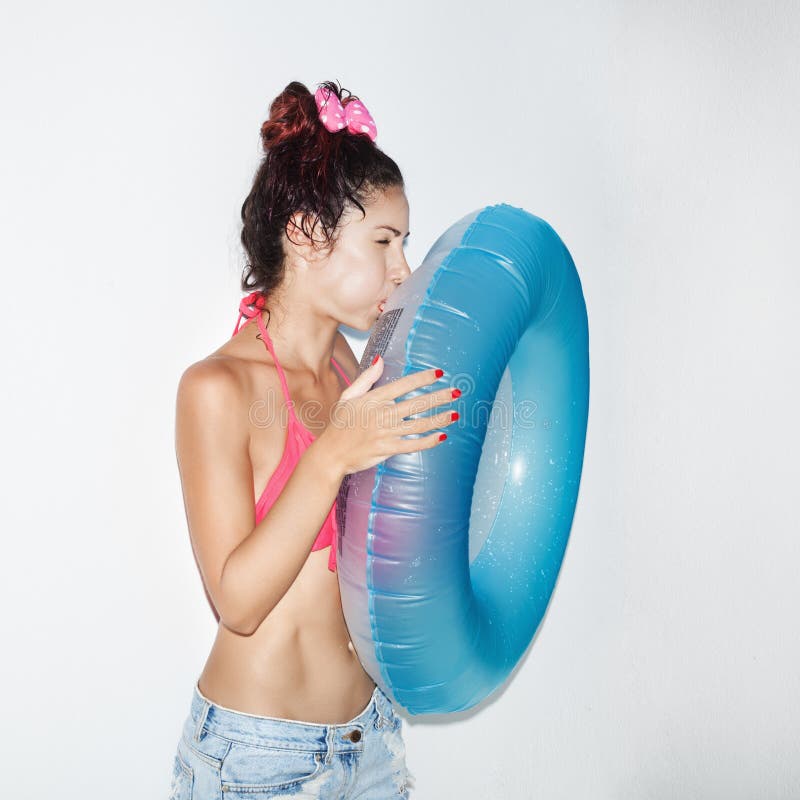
(230, 755)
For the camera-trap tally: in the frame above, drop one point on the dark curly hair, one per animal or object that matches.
(306, 169)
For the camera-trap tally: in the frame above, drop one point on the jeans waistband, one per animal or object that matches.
(287, 733)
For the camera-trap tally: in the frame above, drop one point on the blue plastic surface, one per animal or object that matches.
(448, 557)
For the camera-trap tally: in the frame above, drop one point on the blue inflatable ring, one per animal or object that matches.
(448, 556)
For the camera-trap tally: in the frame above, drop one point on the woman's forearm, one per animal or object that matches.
(263, 566)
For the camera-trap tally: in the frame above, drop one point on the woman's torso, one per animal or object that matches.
(299, 663)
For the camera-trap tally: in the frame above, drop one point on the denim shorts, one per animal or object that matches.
(225, 754)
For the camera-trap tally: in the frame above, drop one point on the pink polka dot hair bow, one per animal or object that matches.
(335, 116)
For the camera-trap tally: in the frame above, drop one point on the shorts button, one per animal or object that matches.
(355, 736)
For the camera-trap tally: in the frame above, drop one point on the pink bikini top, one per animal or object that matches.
(298, 437)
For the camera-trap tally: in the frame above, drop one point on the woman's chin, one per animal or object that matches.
(366, 323)
(370, 323)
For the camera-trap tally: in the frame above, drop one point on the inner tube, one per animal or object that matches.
(448, 556)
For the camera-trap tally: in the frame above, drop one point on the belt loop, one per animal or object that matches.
(382, 718)
(330, 738)
(201, 720)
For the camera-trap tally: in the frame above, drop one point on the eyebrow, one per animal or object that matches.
(393, 230)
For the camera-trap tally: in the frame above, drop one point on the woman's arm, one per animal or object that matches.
(247, 568)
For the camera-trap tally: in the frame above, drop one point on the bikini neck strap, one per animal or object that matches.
(251, 307)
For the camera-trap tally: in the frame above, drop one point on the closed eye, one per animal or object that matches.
(383, 241)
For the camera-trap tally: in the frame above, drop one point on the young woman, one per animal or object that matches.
(267, 426)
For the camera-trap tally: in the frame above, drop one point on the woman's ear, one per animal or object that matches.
(294, 230)
(309, 248)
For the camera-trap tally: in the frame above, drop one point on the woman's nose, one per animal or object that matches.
(400, 271)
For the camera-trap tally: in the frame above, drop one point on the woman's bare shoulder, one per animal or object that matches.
(209, 387)
(226, 378)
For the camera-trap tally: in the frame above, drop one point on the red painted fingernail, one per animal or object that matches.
(456, 392)
(442, 437)
(453, 415)
(375, 360)
(439, 373)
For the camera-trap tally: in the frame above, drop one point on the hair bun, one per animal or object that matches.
(292, 114)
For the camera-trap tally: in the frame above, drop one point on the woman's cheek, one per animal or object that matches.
(360, 290)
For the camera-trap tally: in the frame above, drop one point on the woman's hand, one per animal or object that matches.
(367, 425)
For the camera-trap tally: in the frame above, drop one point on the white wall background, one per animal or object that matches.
(659, 139)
